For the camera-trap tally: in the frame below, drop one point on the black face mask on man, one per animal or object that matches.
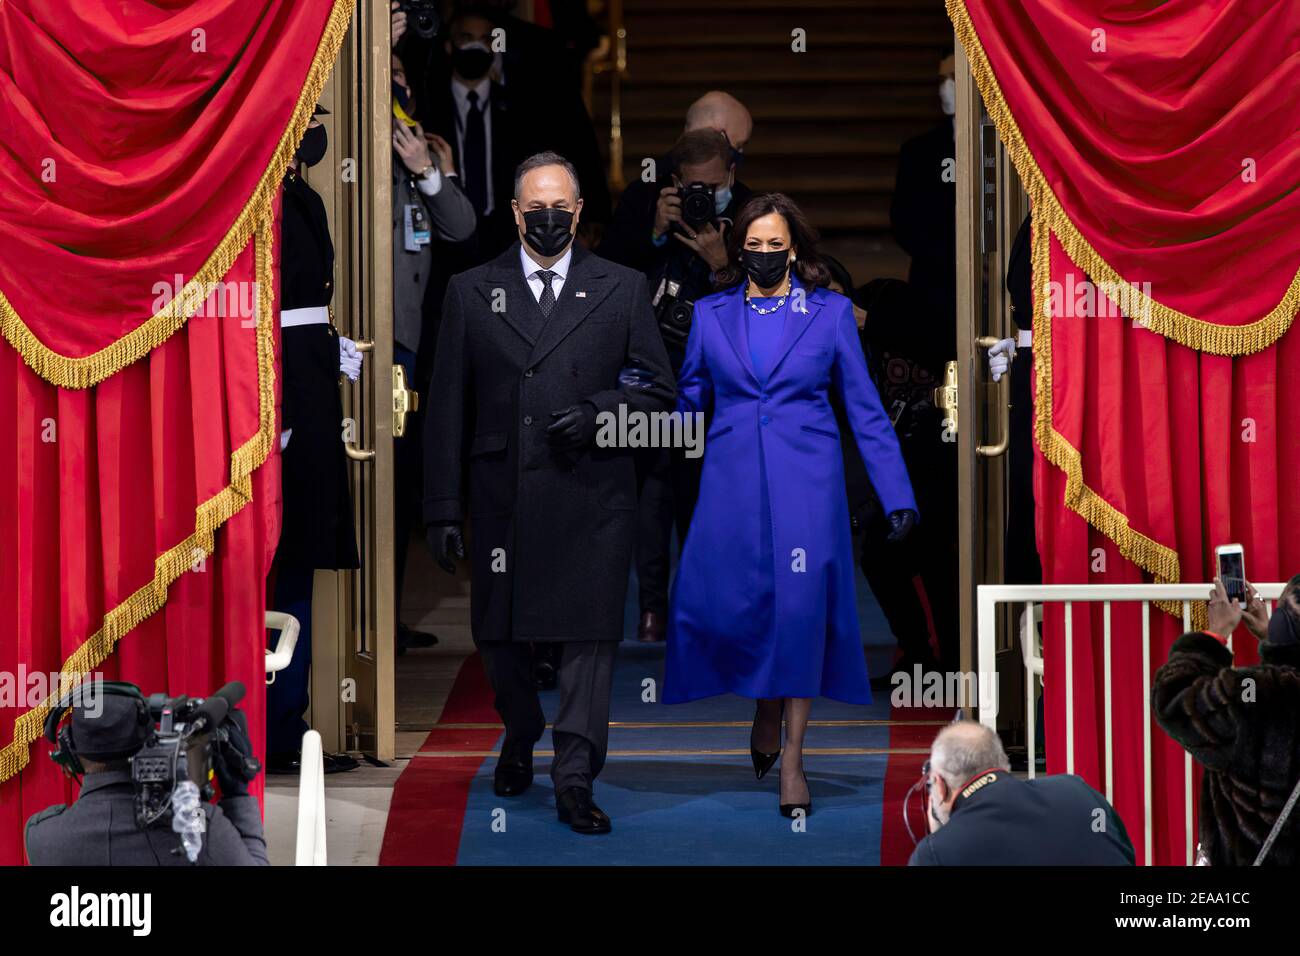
(471, 62)
(548, 231)
(767, 269)
(312, 148)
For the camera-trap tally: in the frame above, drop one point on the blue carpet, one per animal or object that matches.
(672, 805)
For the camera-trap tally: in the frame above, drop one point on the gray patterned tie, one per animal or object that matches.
(547, 301)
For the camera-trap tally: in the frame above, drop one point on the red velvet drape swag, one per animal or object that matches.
(144, 144)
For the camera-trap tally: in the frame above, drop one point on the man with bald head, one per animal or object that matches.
(654, 232)
(981, 814)
(722, 112)
(530, 355)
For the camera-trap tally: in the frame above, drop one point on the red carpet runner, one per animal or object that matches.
(428, 807)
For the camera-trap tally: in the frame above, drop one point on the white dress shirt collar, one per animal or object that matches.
(531, 268)
(461, 93)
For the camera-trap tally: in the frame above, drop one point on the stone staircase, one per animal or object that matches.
(828, 122)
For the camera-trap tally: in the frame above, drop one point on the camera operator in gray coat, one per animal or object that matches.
(110, 723)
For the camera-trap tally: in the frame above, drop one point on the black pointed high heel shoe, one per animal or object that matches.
(762, 762)
(788, 809)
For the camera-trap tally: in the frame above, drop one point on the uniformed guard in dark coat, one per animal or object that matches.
(316, 527)
(99, 829)
(530, 351)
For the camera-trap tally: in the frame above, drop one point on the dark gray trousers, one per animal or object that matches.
(581, 729)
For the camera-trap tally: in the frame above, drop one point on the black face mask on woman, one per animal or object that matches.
(548, 231)
(312, 148)
(767, 269)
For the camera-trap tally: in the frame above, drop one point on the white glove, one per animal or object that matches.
(349, 358)
(1001, 355)
(284, 438)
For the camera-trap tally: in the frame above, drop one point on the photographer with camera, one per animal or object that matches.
(649, 232)
(144, 765)
(675, 232)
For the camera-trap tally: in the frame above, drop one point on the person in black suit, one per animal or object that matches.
(923, 213)
(531, 351)
(981, 814)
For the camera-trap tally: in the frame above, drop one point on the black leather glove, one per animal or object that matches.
(573, 427)
(233, 761)
(901, 524)
(634, 376)
(446, 542)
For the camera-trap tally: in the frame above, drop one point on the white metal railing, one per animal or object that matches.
(989, 596)
(311, 803)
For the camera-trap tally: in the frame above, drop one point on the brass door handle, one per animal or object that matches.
(359, 454)
(1004, 413)
(405, 401)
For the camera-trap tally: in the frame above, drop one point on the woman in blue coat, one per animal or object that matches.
(763, 603)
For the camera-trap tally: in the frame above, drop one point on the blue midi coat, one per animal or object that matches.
(763, 603)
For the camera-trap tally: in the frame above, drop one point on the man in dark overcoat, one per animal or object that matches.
(528, 366)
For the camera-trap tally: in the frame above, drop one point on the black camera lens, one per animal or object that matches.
(426, 25)
(697, 205)
(423, 17)
(679, 314)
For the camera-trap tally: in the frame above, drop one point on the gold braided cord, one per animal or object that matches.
(88, 371)
(209, 516)
(1194, 333)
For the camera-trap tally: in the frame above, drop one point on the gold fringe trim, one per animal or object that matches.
(1156, 559)
(88, 371)
(1194, 333)
(209, 516)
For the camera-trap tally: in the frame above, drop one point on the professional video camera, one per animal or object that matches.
(423, 17)
(173, 771)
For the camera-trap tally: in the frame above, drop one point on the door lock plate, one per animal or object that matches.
(405, 401)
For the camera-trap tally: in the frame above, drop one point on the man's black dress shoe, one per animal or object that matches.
(575, 807)
(514, 773)
(291, 763)
(283, 763)
(407, 637)
(339, 763)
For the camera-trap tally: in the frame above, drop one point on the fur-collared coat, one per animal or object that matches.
(1242, 724)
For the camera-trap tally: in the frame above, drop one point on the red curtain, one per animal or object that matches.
(1159, 145)
(144, 147)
